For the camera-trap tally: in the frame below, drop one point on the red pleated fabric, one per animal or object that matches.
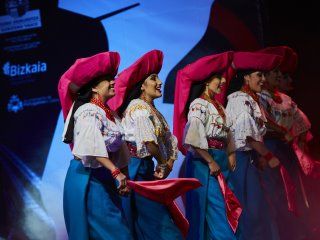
(165, 192)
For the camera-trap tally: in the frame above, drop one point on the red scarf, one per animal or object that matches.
(275, 96)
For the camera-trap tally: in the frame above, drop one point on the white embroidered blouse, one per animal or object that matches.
(204, 121)
(142, 124)
(286, 114)
(97, 136)
(246, 118)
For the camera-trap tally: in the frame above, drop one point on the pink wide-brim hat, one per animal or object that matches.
(256, 61)
(82, 72)
(198, 71)
(149, 63)
(289, 61)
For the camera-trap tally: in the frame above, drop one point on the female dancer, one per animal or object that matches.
(285, 122)
(92, 205)
(210, 150)
(148, 136)
(248, 127)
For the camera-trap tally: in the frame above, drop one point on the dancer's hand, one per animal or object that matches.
(124, 191)
(232, 162)
(170, 163)
(274, 162)
(214, 168)
(162, 171)
(122, 187)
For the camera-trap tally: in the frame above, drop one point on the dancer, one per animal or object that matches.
(211, 154)
(248, 127)
(92, 204)
(148, 137)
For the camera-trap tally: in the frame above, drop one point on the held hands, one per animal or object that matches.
(214, 168)
(122, 181)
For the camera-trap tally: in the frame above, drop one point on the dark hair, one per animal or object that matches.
(84, 96)
(133, 94)
(197, 89)
(237, 81)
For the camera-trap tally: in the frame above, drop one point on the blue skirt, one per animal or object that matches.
(205, 206)
(92, 207)
(148, 219)
(255, 222)
(275, 191)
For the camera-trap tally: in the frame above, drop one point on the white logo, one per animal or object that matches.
(13, 70)
(15, 104)
(6, 68)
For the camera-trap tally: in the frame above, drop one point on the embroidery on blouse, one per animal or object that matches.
(98, 102)
(162, 128)
(220, 111)
(246, 89)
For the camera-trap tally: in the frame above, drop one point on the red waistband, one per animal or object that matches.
(215, 143)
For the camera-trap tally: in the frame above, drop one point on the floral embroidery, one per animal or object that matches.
(204, 121)
(136, 116)
(135, 107)
(286, 113)
(247, 119)
(95, 134)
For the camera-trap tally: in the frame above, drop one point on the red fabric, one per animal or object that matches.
(309, 165)
(290, 190)
(225, 21)
(289, 57)
(165, 191)
(178, 218)
(149, 63)
(198, 71)
(217, 144)
(255, 61)
(83, 71)
(233, 206)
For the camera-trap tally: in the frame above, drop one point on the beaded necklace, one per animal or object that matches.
(98, 102)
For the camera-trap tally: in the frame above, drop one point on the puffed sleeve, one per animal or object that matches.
(88, 139)
(300, 124)
(246, 127)
(195, 134)
(244, 122)
(144, 127)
